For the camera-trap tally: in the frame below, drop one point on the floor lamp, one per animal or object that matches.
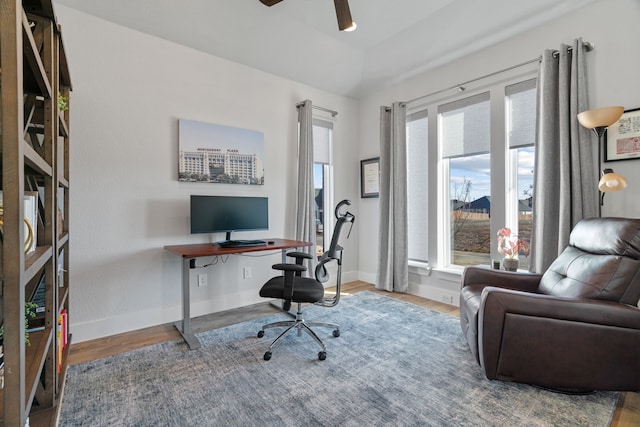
(598, 120)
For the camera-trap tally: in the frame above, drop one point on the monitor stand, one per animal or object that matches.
(228, 243)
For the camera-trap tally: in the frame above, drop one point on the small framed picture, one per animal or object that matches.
(370, 177)
(622, 139)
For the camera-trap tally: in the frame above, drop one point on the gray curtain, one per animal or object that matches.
(566, 175)
(393, 267)
(305, 208)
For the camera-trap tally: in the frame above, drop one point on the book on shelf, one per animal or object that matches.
(39, 296)
(62, 335)
(1, 367)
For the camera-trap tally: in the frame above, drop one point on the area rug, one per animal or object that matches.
(394, 364)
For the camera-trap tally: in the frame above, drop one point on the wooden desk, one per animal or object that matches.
(190, 252)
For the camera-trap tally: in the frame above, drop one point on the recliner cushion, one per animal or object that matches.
(601, 262)
(608, 236)
(304, 290)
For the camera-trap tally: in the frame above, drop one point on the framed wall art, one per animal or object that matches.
(370, 177)
(219, 154)
(622, 139)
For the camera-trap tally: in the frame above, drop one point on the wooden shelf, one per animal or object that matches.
(35, 356)
(36, 353)
(63, 239)
(35, 261)
(34, 72)
(64, 131)
(35, 162)
(62, 297)
(48, 416)
(37, 120)
(41, 8)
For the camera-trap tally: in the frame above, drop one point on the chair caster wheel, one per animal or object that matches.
(267, 355)
(322, 355)
(336, 333)
(260, 334)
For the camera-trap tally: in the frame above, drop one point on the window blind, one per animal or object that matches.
(322, 141)
(465, 126)
(521, 107)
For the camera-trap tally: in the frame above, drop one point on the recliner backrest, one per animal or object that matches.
(601, 262)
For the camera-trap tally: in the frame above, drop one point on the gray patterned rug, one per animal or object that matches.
(395, 364)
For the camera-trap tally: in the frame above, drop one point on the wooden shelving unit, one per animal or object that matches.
(34, 158)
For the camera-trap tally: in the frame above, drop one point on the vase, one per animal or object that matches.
(510, 264)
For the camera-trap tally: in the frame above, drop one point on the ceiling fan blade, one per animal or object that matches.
(270, 2)
(345, 22)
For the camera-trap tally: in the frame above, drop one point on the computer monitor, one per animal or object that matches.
(224, 214)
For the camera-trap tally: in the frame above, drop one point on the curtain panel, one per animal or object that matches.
(305, 225)
(393, 262)
(566, 174)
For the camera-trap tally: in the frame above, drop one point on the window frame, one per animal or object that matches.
(327, 185)
(438, 248)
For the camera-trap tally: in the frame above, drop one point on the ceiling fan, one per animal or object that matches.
(345, 23)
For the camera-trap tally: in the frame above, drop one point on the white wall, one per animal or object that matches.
(612, 26)
(129, 89)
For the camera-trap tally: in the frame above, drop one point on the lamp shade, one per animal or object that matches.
(611, 181)
(600, 117)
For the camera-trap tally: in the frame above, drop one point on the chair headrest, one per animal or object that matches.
(608, 236)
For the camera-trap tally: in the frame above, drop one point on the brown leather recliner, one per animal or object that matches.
(575, 327)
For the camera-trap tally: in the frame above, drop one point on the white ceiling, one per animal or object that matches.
(299, 39)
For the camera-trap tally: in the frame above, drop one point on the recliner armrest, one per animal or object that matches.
(497, 302)
(517, 280)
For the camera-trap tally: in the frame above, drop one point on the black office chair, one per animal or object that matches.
(292, 287)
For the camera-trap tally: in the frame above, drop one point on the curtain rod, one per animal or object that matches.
(588, 47)
(333, 113)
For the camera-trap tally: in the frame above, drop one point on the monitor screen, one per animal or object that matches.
(217, 214)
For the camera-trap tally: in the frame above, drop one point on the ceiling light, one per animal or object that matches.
(345, 22)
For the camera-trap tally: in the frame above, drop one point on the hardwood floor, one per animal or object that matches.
(627, 413)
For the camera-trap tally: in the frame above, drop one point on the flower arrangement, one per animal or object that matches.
(510, 246)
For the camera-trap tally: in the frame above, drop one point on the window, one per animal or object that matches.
(520, 108)
(479, 149)
(466, 166)
(417, 168)
(322, 173)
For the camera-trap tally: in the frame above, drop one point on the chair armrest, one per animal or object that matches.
(296, 255)
(289, 267)
(517, 280)
(299, 256)
(553, 341)
(288, 285)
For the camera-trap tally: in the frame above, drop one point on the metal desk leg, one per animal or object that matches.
(184, 326)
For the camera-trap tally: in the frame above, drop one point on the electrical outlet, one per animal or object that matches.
(202, 280)
(246, 272)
